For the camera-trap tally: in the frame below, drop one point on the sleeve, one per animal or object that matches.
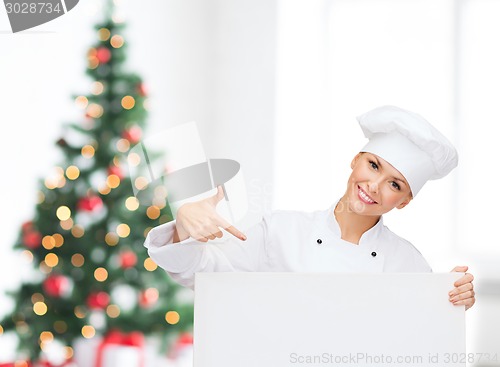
(414, 261)
(183, 259)
(403, 256)
(421, 265)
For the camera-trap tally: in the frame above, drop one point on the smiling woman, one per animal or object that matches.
(377, 182)
(404, 152)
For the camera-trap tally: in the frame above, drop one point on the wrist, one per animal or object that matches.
(179, 234)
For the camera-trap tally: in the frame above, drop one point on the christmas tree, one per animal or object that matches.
(92, 273)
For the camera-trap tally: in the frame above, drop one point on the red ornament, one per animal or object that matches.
(141, 89)
(32, 239)
(116, 337)
(27, 226)
(46, 363)
(114, 170)
(133, 135)
(17, 363)
(57, 286)
(90, 203)
(103, 55)
(148, 297)
(98, 301)
(128, 259)
(185, 339)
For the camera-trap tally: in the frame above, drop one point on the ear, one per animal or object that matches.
(405, 202)
(355, 159)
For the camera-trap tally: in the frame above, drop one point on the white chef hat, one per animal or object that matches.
(409, 143)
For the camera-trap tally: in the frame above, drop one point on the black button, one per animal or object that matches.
(319, 241)
(374, 254)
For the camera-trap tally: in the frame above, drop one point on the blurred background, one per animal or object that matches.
(276, 85)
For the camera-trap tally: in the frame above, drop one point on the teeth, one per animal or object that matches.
(365, 197)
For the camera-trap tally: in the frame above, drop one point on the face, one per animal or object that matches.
(375, 187)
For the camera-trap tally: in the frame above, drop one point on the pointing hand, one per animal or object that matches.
(200, 220)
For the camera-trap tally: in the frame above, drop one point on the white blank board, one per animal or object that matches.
(322, 319)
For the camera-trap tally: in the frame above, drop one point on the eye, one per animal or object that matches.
(395, 185)
(374, 165)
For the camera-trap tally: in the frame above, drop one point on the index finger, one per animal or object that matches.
(221, 222)
(235, 232)
(467, 278)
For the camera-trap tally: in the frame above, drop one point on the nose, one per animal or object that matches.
(373, 186)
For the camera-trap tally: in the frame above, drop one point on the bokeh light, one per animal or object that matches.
(172, 317)
(60, 326)
(123, 145)
(63, 213)
(113, 311)
(123, 230)
(48, 242)
(40, 308)
(88, 332)
(72, 172)
(151, 295)
(69, 352)
(44, 268)
(103, 34)
(95, 110)
(81, 102)
(132, 203)
(88, 151)
(111, 239)
(59, 239)
(77, 260)
(113, 181)
(37, 297)
(51, 260)
(117, 41)
(161, 192)
(153, 212)
(55, 179)
(150, 265)
(40, 197)
(134, 159)
(80, 312)
(27, 255)
(141, 183)
(77, 231)
(128, 102)
(104, 189)
(97, 88)
(46, 337)
(66, 224)
(101, 274)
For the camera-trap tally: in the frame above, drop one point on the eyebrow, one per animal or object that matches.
(394, 177)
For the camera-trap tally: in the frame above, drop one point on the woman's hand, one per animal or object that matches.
(199, 220)
(463, 293)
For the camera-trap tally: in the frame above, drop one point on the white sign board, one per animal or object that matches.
(322, 319)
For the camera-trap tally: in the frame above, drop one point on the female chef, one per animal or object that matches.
(404, 152)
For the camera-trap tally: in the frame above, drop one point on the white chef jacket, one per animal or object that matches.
(286, 241)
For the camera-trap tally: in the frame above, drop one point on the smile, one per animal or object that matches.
(364, 196)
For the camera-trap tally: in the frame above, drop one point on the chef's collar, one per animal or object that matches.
(368, 235)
